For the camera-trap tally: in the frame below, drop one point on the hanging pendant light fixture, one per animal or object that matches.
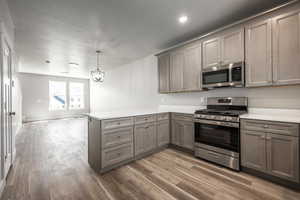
(98, 73)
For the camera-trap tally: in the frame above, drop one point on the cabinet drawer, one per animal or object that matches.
(144, 119)
(116, 123)
(272, 127)
(182, 117)
(217, 158)
(162, 116)
(116, 155)
(116, 137)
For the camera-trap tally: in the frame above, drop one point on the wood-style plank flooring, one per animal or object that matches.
(51, 164)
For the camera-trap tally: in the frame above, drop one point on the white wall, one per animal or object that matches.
(135, 85)
(35, 89)
(127, 87)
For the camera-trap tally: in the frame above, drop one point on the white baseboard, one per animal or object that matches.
(2, 186)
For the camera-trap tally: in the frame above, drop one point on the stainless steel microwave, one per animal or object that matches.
(230, 75)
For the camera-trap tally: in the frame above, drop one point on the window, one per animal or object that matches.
(57, 95)
(76, 95)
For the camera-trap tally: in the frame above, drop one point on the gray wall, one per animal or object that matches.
(135, 86)
(35, 89)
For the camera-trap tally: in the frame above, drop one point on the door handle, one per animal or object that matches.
(12, 113)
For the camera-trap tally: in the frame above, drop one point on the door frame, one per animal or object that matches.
(3, 42)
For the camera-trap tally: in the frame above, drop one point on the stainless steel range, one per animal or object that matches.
(217, 130)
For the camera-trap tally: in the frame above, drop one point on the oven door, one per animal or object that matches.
(218, 78)
(225, 137)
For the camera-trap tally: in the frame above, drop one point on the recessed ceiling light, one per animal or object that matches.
(72, 64)
(183, 19)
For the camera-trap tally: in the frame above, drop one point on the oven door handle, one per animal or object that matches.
(218, 123)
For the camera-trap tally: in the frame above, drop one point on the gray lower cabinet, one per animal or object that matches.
(253, 150)
(269, 150)
(145, 138)
(182, 132)
(283, 156)
(163, 133)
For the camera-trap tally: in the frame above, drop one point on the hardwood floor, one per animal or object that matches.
(51, 164)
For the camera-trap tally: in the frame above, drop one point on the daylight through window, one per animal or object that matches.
(57, 95)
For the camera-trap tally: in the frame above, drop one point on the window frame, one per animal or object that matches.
(68, 96)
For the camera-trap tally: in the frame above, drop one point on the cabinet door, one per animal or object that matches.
(211, 53)
(286, 49)
(283, 156)
(150, 138)
(176, 71)
(177, 132)
(164, 73)
(232, 49)
(188, 135)
(163, 133)
(139, 134)
(253, 150)
(192, 67)
(259, 54)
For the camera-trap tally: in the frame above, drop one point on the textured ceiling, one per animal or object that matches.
(64, 31)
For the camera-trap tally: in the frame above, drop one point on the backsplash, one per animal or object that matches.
(287, 97)
(135, 86)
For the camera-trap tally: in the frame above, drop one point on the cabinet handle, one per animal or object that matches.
(269, 138)
(262, 137)
(266, 126)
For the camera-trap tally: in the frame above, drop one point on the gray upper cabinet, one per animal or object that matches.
(225, 48)
(283, 156)
(211, 52)
(253, 150)
(259, 53)
(232, 46)
(164, 73)
(192, 67)
(286, 48)
(176, 70)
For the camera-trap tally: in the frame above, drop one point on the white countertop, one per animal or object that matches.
(280, 115)
(138, 112)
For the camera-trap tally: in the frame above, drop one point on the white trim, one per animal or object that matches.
(2, 186)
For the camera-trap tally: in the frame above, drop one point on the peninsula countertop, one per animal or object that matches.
(138, 112)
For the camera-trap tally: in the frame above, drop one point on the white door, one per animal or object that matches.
(6, 100)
